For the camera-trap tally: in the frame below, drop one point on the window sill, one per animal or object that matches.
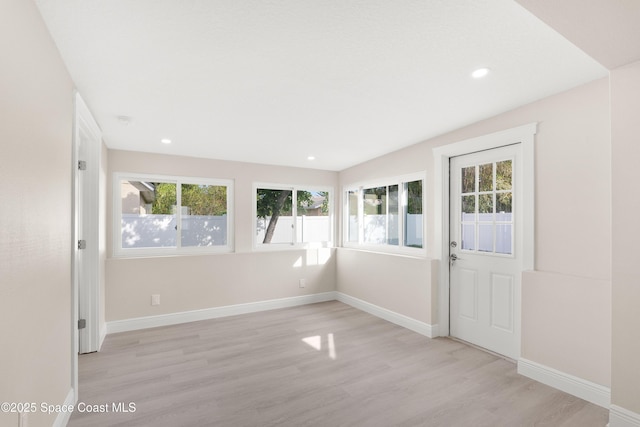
(146, 253)
(283, 247)
(400, 252)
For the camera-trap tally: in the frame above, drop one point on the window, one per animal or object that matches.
(380, 209)
(412, 214)
(487, 210)
(292, 216)
(353, 218)
(159, 215)
(385, 216)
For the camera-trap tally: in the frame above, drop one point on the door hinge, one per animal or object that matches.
(82, 244)
(82, 323)
(82, 165)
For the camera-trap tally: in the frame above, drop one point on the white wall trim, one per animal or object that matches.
(63, 416)
(88, 224)
(85, 276)
(524, 135)
(103, 335)
(587, 390)
(215, 312)
(422, 328)
(137, 323)
(620, 417)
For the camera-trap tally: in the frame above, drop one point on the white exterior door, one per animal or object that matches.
(485, 248)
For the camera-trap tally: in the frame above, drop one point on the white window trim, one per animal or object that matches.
(259, 246)
(120, 252)
(384, 247)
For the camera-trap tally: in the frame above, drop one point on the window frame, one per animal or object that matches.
(401, 247)
(259, 246)
(494, 192)
(121, 252)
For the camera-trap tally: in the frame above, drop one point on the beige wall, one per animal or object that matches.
(396, 282)
(565, 324)
(36, 122)
(196, 282)
(199, 282)
(572, 155)
(625, 125)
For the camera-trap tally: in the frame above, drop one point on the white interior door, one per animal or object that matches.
(87, 143)
(486, 248)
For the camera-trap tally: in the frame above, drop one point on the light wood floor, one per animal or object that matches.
(278, 368)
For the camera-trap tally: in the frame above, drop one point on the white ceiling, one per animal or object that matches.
(274, 81)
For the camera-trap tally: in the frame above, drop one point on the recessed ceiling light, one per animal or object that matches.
(480, 73)
(311, 157)
(165, 141)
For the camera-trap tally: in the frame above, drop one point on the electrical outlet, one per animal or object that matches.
(303, 283)
(155, 299)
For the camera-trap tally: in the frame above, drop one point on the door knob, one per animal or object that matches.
(453, 258)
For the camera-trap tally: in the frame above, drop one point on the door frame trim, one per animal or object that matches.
(524, 135)
(83, 119)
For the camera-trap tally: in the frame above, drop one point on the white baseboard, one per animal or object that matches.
(103, 335)
(253, 307)
(587, 390)
(215, 312)
(391, 316)
(620, 417)
(63, 417)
